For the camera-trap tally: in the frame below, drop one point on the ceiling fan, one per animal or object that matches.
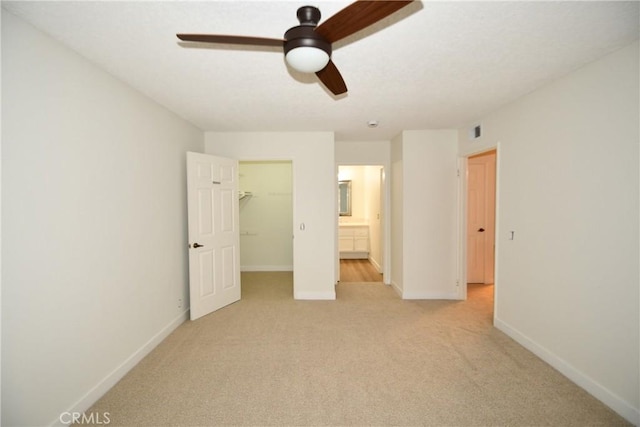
(307, 47)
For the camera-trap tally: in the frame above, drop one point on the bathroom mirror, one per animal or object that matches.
(344, 201)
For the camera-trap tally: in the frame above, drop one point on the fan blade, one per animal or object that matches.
(331, 78)
(215, 38)
(357, 16)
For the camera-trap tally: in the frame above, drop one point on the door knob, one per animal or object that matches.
(481, 230)
(197, 245)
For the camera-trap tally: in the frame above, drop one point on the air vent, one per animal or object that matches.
(475, 132)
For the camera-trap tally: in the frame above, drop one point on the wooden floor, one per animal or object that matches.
(358, 270)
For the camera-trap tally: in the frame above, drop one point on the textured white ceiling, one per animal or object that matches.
(432, 65)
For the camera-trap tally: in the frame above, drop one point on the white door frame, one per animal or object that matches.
(462, 222)
(293, 199)
(386, 220)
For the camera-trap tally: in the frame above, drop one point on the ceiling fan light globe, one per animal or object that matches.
(307, 59)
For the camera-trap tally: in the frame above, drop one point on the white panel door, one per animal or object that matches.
(476, 221)
(214, 236)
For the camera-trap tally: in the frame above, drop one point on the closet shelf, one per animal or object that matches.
(244, 194)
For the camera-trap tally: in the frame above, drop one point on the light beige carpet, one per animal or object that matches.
(368, 358)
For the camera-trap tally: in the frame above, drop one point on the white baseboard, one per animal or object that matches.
(396, 288)
(375, 264)
(116, 375)
(428, 295)
(598, 391)
(314, 295)
(422, 295)
(266, 268)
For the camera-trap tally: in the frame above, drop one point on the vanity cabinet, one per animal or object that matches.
(353, 241)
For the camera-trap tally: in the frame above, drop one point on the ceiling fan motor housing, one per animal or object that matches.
(304, 35)
(309, 15)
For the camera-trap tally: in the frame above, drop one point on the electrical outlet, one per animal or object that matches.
(179, 302)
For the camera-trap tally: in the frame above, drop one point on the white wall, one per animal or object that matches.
(568, 183)
(373, 211)
(396, 201)
(1, 316)
(428, 167)
(266, 217)
(363, 153)
(94, 214)
(314, 198)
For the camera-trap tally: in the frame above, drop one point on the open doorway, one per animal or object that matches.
(481, 225)
(266, 219)
(361, 223)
